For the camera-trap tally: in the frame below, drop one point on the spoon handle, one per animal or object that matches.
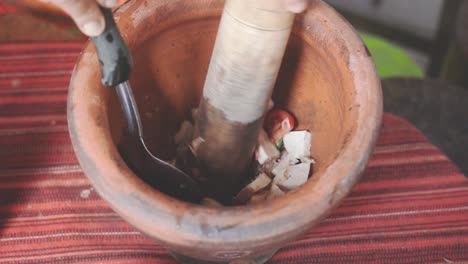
(116, 65)
(114, 55)
(130, 111)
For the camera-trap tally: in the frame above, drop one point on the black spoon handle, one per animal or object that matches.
(114, 55)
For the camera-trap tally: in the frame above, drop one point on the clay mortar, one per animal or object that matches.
(328, 80)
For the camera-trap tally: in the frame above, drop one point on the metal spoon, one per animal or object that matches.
(116, 65)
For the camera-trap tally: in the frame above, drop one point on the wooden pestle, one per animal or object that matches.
(246, 58)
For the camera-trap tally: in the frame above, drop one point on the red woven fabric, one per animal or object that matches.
(411, 205)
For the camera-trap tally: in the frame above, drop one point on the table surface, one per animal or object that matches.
(411, 205)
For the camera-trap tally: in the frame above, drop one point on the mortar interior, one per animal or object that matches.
(169, 72)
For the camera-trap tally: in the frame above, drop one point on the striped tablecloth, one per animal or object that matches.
(411, 205)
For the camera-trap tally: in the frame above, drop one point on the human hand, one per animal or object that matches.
(86, 13)
(90, 21)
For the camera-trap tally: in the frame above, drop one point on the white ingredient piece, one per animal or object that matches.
(262, 156)
(260, 182)
(196, 144)
(280, 167)
(184, 135)
(275, 192)
(294, 176)
(298, 143)
(266, 150)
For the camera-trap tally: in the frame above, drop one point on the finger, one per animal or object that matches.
(85, 13)
(108, 3)
(295, 6)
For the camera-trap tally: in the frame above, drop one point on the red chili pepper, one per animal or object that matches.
(278, 123)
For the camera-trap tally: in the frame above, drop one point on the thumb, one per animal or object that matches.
(85, 13)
